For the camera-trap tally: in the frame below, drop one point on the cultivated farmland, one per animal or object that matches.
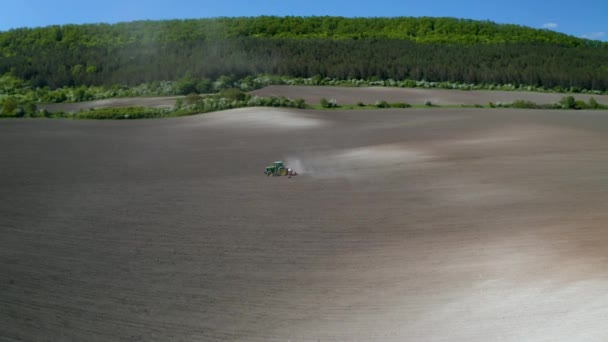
(434, 224)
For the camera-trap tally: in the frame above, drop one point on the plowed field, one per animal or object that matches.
(403, 225)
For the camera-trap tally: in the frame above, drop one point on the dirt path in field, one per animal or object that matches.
(403, 225)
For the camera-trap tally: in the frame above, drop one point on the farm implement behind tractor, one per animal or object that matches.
(279, 169)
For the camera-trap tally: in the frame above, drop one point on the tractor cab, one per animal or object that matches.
(278, 169)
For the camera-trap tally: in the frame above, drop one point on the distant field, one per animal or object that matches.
(155, 102)
(437, 224)
(349, 95)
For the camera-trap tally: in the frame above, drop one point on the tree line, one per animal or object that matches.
(221, 49)
(418, 29)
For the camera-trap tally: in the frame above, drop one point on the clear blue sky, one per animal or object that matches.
(585, 19)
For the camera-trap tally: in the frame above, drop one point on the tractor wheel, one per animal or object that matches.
(283, 172)
(268, 174)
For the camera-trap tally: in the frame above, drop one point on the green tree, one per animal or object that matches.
(30, 109)
(232, 94)
(568, 102)
(324, 102)
(593, 103)
(192, 98)
(179, 102)
(382, 104)
(580, 104)
(9, 106)
(300, 103)
(204, 86)
(186, 85)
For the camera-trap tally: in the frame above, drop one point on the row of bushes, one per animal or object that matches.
(191, 104)
(567, 102)
(102, 113)
(332, 103)
(384, 104)
(17, 107)
(234, 98)
(13, 86)
(266, 80)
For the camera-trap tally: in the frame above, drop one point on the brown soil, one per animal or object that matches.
(425, 225)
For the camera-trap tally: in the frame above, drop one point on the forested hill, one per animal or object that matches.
(421, 30)
(433, 49)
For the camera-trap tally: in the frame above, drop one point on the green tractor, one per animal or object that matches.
(278, 169)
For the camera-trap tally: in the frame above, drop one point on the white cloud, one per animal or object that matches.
(550, 26)
(594, 35)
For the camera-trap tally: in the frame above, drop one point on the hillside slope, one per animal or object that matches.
(433, 49)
